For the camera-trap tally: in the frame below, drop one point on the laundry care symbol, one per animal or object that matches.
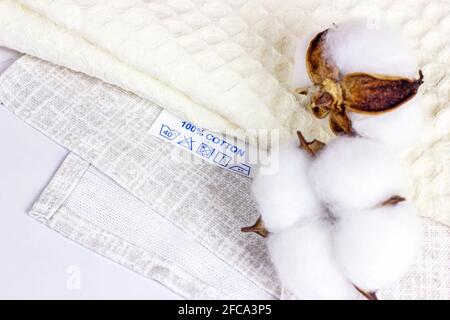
(205, 151)
(242, 169)
(168, 133)
(186, 143)
(222, 159)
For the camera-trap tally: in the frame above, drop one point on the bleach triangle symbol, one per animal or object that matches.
(186, 143)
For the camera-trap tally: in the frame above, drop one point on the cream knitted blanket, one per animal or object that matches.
(227, 64)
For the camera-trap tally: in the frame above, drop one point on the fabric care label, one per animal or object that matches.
(226, 152)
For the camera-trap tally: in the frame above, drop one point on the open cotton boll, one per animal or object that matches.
(305, 263)
(376, 247)
(285, 196)
(355, 174)
(356, 46)
(400, 129)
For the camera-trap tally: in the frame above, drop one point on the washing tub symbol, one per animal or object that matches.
(168, 133)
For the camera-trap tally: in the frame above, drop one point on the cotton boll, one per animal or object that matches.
(375, 248)
(305, 264)
(286, 196)
(400, 129)
(354, 47)
(356, 174)
(357, 47)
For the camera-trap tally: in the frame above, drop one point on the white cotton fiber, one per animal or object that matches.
(376, 247)
(285, 196)
(300, 77)
(305, 263)
(355, 174)
(358, 47)
(399, 129)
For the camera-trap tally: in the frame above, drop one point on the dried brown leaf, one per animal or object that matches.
(393, 201)
(340, 123)
(372, 94)
(319, 66)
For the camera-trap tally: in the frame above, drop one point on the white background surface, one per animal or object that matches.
(36, 262)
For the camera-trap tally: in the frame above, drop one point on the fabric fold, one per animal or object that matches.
(44, 39)
(86, 206)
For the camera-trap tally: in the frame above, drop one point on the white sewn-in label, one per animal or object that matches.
(228, 153)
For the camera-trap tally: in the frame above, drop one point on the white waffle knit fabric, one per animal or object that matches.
(227, 64)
